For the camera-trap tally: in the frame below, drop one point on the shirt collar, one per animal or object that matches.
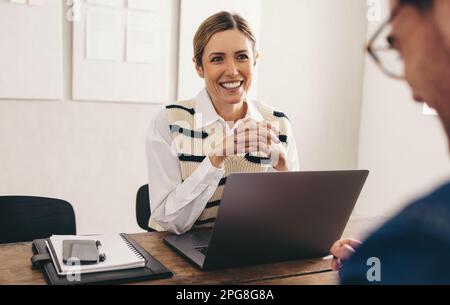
(205, 113)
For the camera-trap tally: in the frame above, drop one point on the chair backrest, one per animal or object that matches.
(24, 219)
(143, 211)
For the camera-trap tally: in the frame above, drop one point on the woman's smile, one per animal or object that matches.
(231, 85)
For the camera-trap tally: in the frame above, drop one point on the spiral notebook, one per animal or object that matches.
(120, 254)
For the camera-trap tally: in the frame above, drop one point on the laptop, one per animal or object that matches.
(272, 217)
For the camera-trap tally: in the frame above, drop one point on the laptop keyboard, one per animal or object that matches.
(202, 250)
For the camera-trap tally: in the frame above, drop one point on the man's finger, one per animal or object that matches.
(343, 252)
(352, 242)
(335, 264)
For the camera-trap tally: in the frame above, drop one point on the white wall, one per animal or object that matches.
(405, 150)
(311, 67)
(90, 154)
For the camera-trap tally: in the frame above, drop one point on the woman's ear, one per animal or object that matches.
(256, 58)
(199, 68)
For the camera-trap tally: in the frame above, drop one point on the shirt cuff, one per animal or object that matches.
(212, 173)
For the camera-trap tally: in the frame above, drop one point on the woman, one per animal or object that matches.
(192, 146)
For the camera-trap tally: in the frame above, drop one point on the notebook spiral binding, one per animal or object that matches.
(132, 248)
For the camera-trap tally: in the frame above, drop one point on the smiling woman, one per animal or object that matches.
(227, 67)
(192, 146)
(225, 56)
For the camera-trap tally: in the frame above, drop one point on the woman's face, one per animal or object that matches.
(228, 65)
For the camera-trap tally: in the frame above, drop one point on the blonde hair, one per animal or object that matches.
(220, 22)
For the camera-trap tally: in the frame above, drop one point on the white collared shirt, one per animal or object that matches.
(176, 205)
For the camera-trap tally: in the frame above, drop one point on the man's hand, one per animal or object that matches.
(342, 250)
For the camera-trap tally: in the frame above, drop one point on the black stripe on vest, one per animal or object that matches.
(190, 110)
(257, 160)
(190, 158)
(212, 204)
(223, 181)
(188, 132)
(280, 115)
(206, 221)
(283, 138)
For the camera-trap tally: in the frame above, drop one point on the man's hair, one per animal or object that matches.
(420, 4)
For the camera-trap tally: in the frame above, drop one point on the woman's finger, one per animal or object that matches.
(272, 127)
(251, 147)
(247, 123)
(265, 138)
(263, 134)
(274, 137)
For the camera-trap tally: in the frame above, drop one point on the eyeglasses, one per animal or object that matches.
(381, 48)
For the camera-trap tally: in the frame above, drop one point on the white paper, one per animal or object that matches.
(18, 1)
(104, 35)
(116, 3)
(148, 5)
(37, 2)
(119, 255)
(143, 37)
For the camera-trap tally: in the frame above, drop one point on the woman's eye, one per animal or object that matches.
(216, 59)
(243, 57)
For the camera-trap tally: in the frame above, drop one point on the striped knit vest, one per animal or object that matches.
(194, 145)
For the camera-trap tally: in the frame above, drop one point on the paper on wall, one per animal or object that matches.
(116, 3)
(104, 35)
(143, 37)
(149, 5)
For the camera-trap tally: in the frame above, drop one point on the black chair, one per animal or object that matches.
(143, 211)
(24, 219)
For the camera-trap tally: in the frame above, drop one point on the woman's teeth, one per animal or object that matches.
(233, 85)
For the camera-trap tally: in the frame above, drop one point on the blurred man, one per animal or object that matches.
(414, 246)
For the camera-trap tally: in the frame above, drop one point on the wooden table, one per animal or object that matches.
(16, 265)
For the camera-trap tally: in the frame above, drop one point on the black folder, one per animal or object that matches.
(153, 269)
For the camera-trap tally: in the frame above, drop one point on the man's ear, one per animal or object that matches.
(199, 69)
(441, 12)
